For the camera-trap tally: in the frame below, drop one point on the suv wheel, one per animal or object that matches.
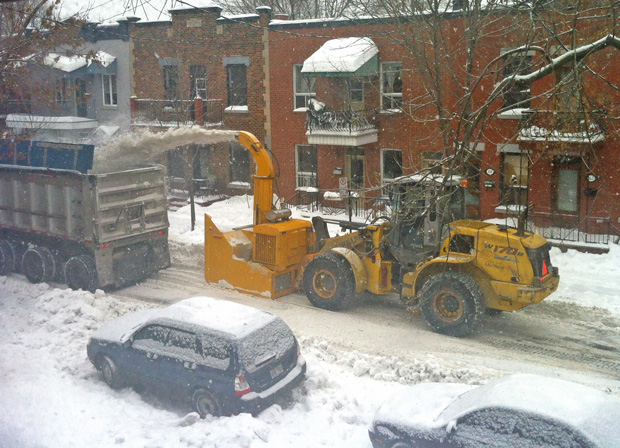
(205, 403)
(110, 372)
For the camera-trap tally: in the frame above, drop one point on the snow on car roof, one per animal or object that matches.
(592, 411)
(220, 315)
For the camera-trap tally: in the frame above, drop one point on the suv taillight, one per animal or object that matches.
(241, 386)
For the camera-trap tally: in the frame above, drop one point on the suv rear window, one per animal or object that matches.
(266, 343)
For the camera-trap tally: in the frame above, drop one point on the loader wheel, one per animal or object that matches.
(7, 257)
(329, 282)
(81, 273)
(38, 265)
(452, 303)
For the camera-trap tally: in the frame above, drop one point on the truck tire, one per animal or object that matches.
(329, 282)
(7, 257)
(38, 265)
(81, 273)
(452, 303)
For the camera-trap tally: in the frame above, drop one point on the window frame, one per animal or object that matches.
(238, 149)
(513, 97)
(313, 175)
(198, 72)
(513, 194)
(171, 82)
(385, 191)
(395, 98)
(233, 96)
(311, 94)
(110, 99)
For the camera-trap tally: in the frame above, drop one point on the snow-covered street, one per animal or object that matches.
(52, 396)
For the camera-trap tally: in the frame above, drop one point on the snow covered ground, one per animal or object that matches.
(51, 396)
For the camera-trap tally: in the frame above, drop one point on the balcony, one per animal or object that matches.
(581, 126)
(175, 113)
(341, 127)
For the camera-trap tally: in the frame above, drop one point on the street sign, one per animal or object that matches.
(343, 184)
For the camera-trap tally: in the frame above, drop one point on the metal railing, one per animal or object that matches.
(348, 121)
(594, 230)
(177, 112)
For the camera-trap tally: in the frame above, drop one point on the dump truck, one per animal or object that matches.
(455, 270)
(86, 230)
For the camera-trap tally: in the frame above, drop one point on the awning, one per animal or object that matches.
(79, 65)
(349, 56)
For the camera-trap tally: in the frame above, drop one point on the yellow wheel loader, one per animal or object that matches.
(455, 270)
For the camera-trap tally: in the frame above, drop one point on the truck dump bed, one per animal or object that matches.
(95, 208)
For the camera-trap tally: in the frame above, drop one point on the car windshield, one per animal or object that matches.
(265, 344)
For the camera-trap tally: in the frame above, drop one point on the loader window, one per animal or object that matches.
(462, 244)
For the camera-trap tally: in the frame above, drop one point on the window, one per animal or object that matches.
(517, 64)
(63, 87)
(171, 78)
(391, 86)
(306, 166)
(239, 171)
(183, 340)
(110, 97)
(197, 82)
(568, 82)
(515, 172)
(391, 167)
(152, 337)
(237, 85)
(567, 189)
(431, 162)
(304, 87)
(356, 93)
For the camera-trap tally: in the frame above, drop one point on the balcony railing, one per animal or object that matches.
(341, 127)
(340, 121)
(152, 112)
(563, 126)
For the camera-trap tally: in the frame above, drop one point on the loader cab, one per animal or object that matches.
(421, 206)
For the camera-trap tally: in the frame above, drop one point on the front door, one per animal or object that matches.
(566, 195)
(354, 167)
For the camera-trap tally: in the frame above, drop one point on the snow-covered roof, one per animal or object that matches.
(69, 64)
(341, 56)
(538, 134)
(220, 315)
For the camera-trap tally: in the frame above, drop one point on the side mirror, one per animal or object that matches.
(127, 343)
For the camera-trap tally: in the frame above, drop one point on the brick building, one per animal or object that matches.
(367, 123)
(202, 68)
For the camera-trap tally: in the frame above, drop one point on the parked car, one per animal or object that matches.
(518, 411)
(226, 358)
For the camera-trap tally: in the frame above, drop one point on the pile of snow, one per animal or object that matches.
(52, 396)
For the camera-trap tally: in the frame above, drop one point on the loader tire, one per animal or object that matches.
(329, 282)
(452, 303)
(7, 257)
(81, 273)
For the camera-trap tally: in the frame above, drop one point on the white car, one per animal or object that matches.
(518, 411)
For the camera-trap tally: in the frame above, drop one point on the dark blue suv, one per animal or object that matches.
(225, 357)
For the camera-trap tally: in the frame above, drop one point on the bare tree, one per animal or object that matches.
(476, 59)
(295, 9)
(29, 30)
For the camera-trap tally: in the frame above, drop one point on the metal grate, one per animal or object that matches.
(265, 249)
